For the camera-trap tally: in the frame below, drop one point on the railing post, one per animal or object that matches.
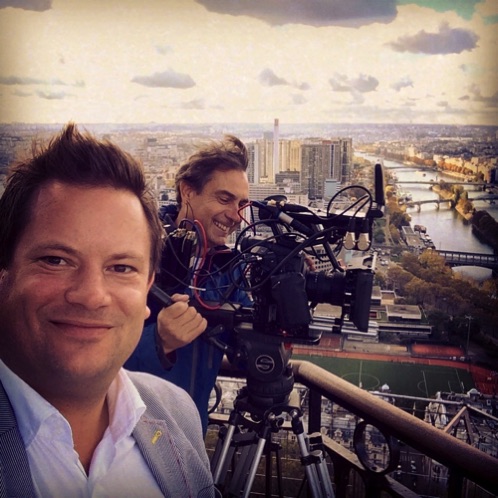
(455, 483)
(315, 411)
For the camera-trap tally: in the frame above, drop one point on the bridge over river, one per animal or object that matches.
(459, 258)
(433, 182)
(488, 197)
(456, 258)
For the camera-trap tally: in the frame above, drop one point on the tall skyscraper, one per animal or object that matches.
(323, 160)
(346, 145)
(276, 155)
(316, 166)
(253, 170)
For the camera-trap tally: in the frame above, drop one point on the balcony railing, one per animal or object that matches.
(463, 470)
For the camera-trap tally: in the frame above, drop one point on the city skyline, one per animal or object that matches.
(202, 61)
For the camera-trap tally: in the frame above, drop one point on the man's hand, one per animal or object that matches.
(179, 324)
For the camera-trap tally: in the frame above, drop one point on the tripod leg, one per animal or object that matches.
(314, 463)
(254, 467)
(309, 468)
(315, 442)
(325, 477)
(221, 458)
(279, 471)
(244, 461)
(215, 459)
(268, 473)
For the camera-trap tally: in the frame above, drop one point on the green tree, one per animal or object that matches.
(394, 234)
(490, 288)
(417, 290)
(399, 218)
(434, 261)
(380, 280)
(379, 235)
(399, 277)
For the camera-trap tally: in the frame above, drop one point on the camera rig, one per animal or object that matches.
(272, 261)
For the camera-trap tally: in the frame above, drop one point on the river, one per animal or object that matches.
(448, 230)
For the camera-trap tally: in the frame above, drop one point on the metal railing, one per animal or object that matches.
(468, 471)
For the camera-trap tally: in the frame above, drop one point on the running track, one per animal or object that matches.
(486, 380)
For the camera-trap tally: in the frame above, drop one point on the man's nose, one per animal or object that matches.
(89, 289)
(233, 214)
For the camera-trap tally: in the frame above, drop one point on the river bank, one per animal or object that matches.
(483, 225)
(485, 228)
(449, 196)
(448, 229)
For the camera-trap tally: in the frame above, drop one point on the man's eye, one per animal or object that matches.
(53, 260)
(122, 268)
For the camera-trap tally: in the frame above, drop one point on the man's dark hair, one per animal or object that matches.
(225, 155)
(76, 159)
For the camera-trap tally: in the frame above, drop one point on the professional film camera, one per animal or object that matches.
(274, 261)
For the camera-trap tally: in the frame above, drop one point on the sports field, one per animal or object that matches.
(411, 379)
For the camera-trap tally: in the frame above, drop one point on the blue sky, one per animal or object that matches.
(202, 61)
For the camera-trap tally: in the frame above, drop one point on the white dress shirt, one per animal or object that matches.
(117, 468)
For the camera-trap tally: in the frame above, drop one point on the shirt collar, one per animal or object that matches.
(32, 410)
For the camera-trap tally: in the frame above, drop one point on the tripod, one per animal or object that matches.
(250, 430)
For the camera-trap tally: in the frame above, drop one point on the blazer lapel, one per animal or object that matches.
(15, 474)
(159, 451)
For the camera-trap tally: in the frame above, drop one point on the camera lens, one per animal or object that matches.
(326, 288)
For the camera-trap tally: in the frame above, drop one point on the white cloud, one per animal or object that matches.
(165, 79)
(268, 78)
(52, 95)
(176, 61)
(446, 41)
(298, 99)
(404, 82)
(36, 5)
(362, 83)
(164, 49)
(351, 13)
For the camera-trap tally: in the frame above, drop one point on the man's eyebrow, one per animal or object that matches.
(231, 195)
(225, 192)
(53, 246)
(57, 246)
(129, 256)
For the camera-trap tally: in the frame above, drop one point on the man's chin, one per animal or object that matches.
(218, 241)
(222, 242)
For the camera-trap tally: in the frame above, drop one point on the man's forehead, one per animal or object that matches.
(223, 182)
(232, 194)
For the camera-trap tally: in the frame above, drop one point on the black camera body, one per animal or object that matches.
(277, 271)
(284, 294)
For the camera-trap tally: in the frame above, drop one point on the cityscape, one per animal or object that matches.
(310, 165)
(321, 93)
(306, 163)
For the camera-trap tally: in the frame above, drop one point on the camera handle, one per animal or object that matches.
(257, 438)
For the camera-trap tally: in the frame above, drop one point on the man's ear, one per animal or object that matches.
(149, 285)
(186, 190)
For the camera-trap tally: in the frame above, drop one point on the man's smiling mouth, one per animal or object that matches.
(222, 227)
